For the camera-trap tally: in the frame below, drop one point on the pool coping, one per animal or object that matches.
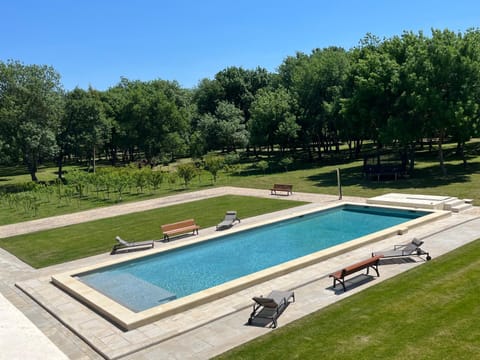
(128, 320)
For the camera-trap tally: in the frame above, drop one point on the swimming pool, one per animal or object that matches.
(153, 280)
(190, 275)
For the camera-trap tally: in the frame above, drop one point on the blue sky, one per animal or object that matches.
(95, 42)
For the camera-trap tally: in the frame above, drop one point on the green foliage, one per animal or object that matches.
(225, 129)
(186, 172)
(232, 158)
(463, 182)
(262, 165)
(141, 179)
(273, 120)
(392, 92)
(213, 164)
(85, 128)
(286, 162)
(79, 180)
(30, 111)
(156, 178)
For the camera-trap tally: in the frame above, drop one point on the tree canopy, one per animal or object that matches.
(394, 92)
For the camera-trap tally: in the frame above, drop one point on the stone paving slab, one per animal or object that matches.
(34, 345)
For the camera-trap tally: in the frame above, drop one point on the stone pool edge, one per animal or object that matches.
(129, 320)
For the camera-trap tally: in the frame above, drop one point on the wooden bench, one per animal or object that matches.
(365, 264)
(281, 187)
(180, 227)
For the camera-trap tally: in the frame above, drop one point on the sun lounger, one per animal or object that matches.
(229, 220)
(412, 248)
(125, 245)
(272, 306)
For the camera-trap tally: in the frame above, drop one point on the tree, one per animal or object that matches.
(225, 130)
(213, 164)
(372, 82)
(30, 111)
(445, 90)
(286, 162)
(273, 120)
(207, 95)
(317, 83)
(153, 118)
(84, 126)
(187, 172)
(262, 165)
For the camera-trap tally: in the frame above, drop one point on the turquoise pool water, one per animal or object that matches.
(149, 281)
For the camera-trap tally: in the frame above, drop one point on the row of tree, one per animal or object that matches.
(394, 91)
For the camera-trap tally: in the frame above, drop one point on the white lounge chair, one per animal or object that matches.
(272, 306)
(412, 248)
(122, 244)
(229, 220)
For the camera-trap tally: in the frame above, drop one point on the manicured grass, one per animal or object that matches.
(430, 312)
(56, 246)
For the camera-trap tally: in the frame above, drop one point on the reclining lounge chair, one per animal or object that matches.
(412, 248)
(272, 306)
(122, 244)
(228, 221)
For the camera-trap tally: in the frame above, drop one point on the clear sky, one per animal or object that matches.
(96, 42)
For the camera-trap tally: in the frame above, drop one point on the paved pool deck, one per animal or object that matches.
(61, 327)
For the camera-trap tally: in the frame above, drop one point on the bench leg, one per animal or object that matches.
(341, 281)
(274, 322)
(374, 267)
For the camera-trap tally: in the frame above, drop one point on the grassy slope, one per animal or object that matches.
(430, 312)
(77, 241)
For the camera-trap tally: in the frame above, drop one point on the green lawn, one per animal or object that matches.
(56, 246)
(462, 182)
(430, 312)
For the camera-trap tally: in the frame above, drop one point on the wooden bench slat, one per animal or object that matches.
(179, 228)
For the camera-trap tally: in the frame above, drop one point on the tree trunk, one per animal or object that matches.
(94, 155)
(113, 155)
(411, 150)
(440, 155)
(358, 148)
(60, 164)
(461, 152)
(319, 147)
(350, 153)
(32, 167)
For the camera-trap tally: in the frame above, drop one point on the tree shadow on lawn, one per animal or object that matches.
(427, 177)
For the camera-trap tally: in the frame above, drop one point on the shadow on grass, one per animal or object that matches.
(426, 177)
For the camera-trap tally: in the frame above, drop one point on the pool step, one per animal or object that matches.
(457, 205)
